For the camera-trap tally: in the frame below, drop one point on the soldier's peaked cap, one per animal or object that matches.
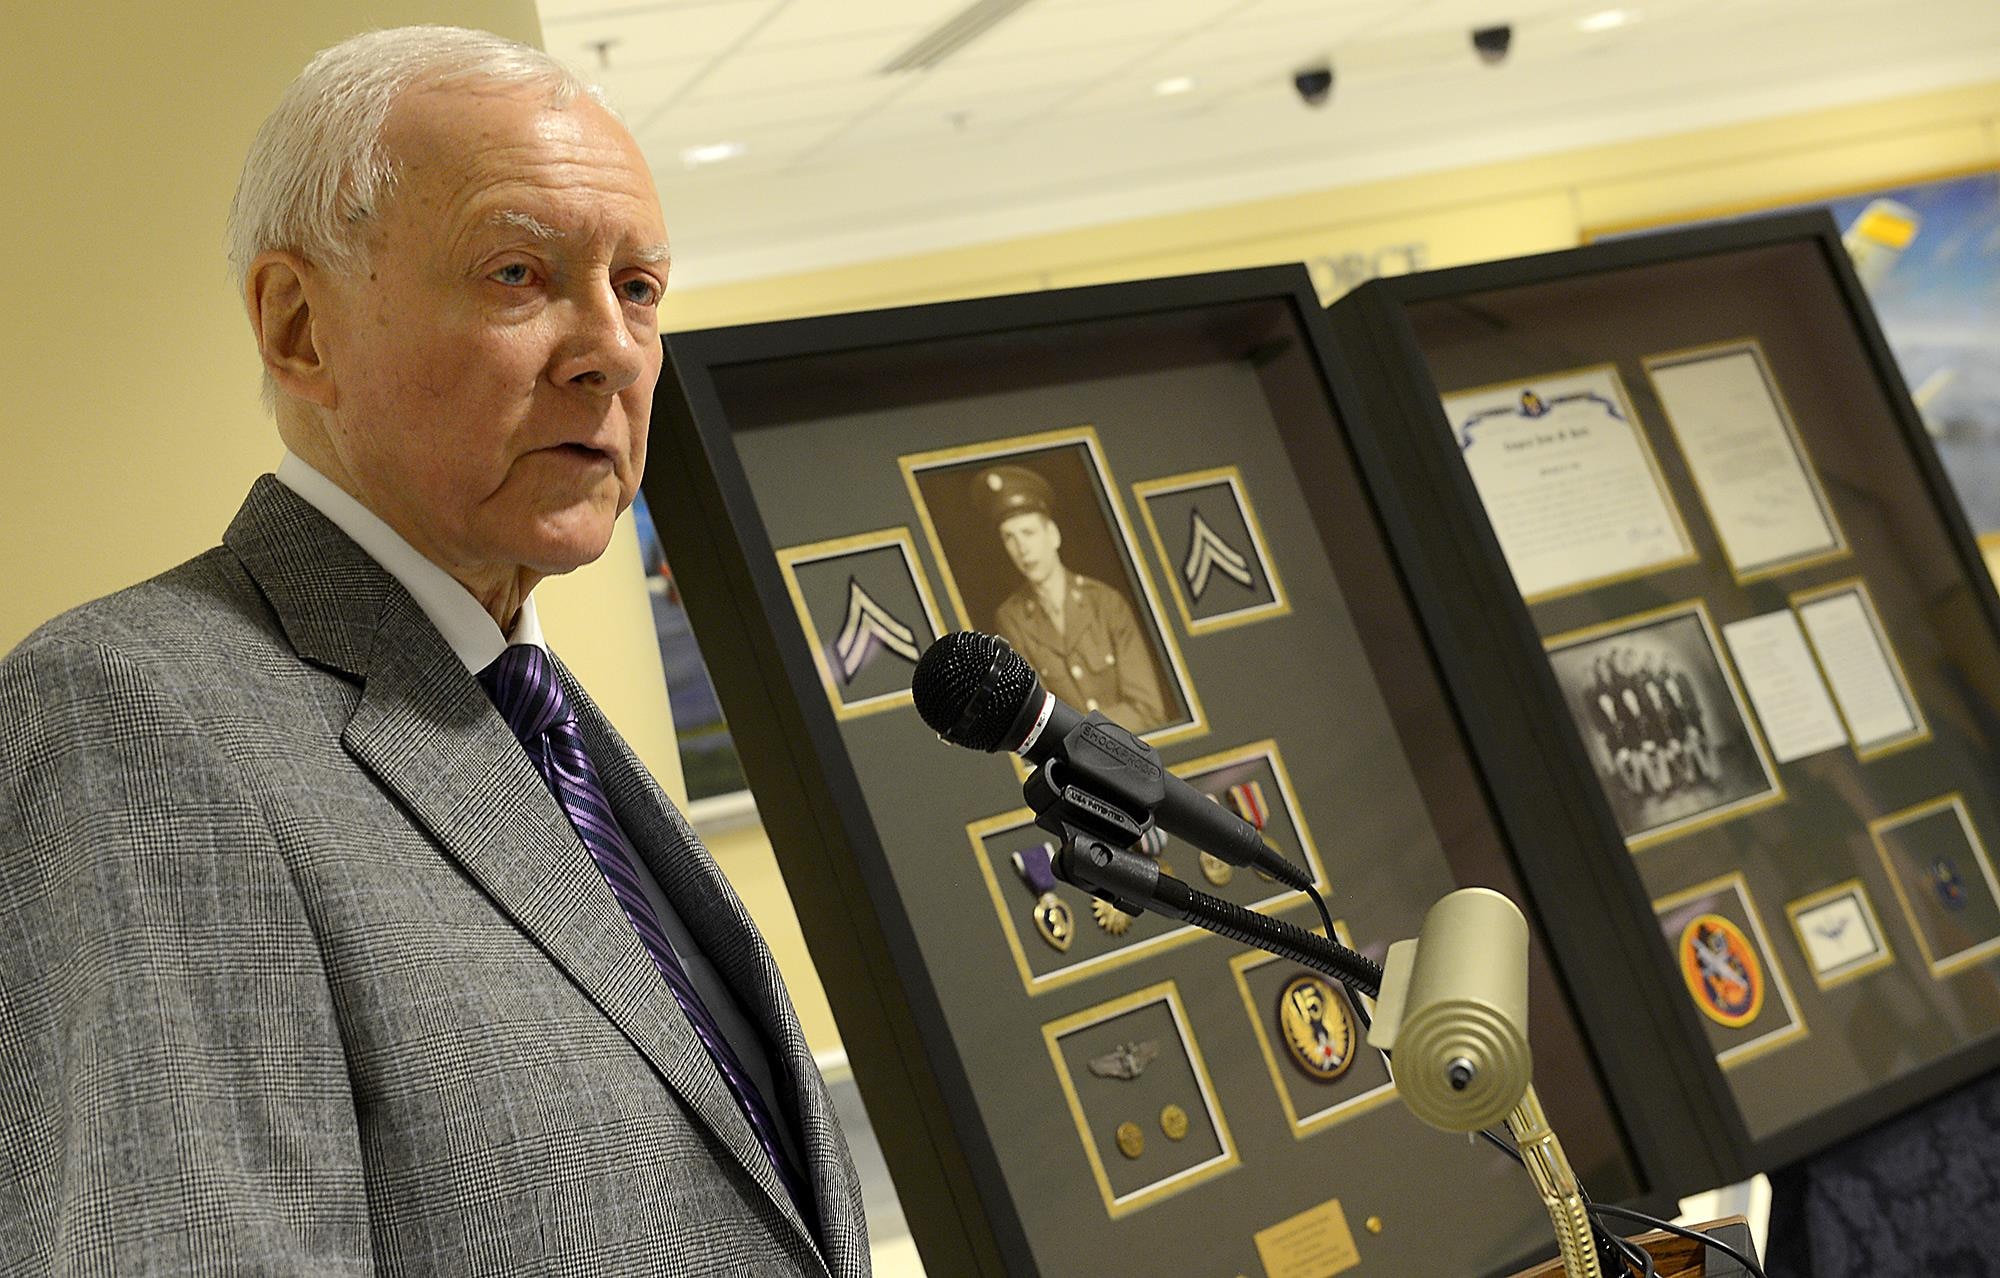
(1005, 491)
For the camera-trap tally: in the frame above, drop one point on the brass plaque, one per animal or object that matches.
(1316, 1243)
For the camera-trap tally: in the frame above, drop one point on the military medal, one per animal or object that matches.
(1317, 1028)
(1174, 1122)
(1216, 870)
(1247, 801)
(1131, 1141)
(1109, 917)
(1126, 1061)
(1053, 920)
(1722, 970)
(1154, 844)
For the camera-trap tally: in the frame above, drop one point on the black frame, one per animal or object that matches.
(815, 811)
(1493, 659)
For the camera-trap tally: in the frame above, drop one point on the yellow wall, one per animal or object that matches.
(132, 427)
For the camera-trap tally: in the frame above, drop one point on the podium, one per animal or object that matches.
(1678, 1257)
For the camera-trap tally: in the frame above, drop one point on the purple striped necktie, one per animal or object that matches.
(523, 685)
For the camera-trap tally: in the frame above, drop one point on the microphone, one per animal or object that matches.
(975, 691)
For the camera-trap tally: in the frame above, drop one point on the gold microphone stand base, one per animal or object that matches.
(1548, 1167)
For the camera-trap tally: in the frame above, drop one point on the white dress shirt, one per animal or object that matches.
(460, 618)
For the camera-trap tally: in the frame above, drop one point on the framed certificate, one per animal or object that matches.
(1878, 710)
(1785, 685)
(1747, 460)
(1569, 481)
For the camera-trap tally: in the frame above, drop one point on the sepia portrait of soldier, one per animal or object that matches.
(1081, 635)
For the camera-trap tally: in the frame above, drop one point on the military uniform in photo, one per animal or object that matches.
(1096, 657)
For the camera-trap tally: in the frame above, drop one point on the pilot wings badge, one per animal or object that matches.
(1126, 1061)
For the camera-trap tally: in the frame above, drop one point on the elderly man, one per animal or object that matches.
(1078, 633)
(339, 931)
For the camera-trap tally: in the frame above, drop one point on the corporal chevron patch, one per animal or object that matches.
(1207, 554)
(869, 628)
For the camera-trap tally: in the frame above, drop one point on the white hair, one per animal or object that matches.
(319, 170)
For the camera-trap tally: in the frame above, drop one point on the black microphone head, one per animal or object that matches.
(970, 686)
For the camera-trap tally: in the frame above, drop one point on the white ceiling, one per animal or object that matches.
(1052, 118)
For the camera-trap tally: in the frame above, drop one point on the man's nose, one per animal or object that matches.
(600, 353)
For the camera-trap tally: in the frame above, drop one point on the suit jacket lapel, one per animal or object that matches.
(427, 732)
(709, 906)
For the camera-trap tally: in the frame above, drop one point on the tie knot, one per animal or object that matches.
(522, 682)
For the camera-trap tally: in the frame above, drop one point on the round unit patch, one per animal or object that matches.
(1317, 1028)
(1722, 971)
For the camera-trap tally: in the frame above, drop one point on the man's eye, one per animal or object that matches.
(512, 274)
(640, 291)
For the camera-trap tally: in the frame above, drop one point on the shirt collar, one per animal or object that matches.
(465, 625)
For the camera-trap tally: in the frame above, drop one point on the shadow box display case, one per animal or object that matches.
(1707, 604)
(1150, 490)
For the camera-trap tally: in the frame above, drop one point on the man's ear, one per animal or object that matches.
(281, 314)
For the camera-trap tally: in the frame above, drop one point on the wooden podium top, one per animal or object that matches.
(1678, 1257)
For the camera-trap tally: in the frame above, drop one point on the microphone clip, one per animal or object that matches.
(1096, 838)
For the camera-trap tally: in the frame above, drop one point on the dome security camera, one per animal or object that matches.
(1492, 43)
(1315, 84)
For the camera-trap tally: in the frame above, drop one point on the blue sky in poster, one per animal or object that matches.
(1940, 307)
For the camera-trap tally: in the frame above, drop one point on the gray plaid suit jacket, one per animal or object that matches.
(303, 971)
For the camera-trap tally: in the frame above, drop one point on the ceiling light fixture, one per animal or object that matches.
(957, 31)
(1174, 84)
(711, 153)
(1605, 20)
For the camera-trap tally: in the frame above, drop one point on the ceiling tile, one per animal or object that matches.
(968, 126)
(764, 148)
(655, 33)
(843, 60)
(1048, 28)
(636, 89)
(804, 20)
(830, 104)
(1032, 74)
